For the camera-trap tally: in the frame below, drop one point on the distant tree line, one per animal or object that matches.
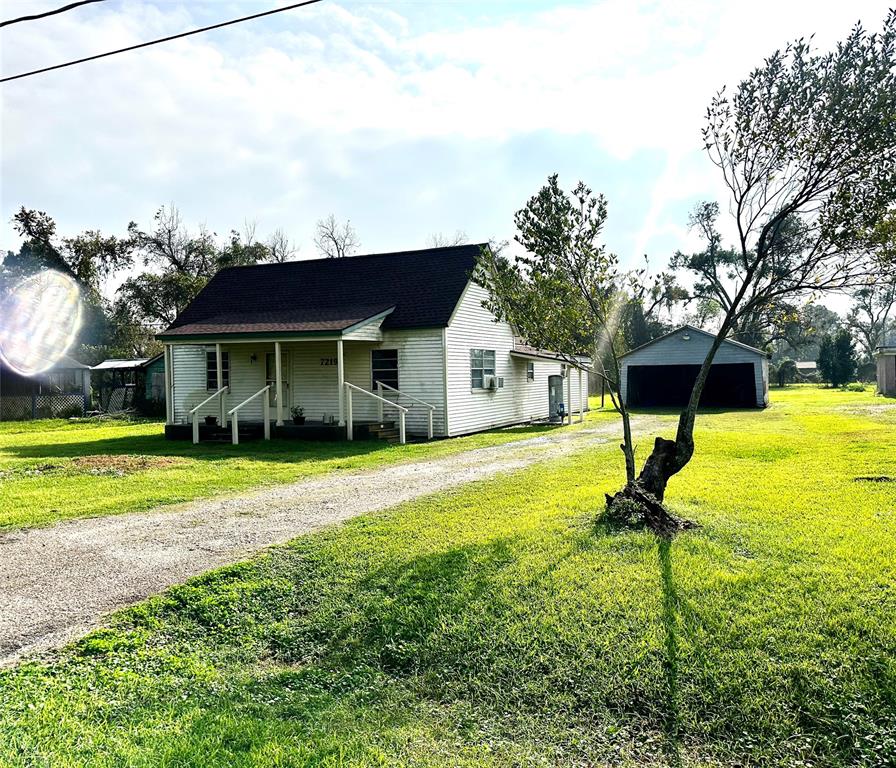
(159, 270)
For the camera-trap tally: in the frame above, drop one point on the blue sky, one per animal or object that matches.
(409, 118)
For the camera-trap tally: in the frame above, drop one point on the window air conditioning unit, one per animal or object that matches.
(491, 382)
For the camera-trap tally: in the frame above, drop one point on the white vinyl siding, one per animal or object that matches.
(190, 381)
(422, 375)
(311, 381)
(429, 362)
(519, 400)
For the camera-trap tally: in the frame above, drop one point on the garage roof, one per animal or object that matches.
(695, 329)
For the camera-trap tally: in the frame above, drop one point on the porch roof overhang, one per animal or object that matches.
(523, 352)
(230, 330)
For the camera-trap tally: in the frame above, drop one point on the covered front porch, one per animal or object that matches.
(317, 388)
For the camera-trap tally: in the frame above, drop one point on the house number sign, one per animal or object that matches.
(328, 361)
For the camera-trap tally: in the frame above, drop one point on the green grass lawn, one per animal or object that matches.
(499, 625)
(52, 470)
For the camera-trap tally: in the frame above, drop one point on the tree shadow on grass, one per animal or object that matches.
(260, 450)
(156, 445)
(670, 613)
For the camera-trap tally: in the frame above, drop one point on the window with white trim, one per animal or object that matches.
(211, 370)
(530, 371)
(482, 364)
(384, 367)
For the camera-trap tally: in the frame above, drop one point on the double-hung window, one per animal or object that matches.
(530, 371)
(211, 370)
(482, 364)
(384, 367)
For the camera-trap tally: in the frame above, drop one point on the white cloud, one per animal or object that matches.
(284, 119)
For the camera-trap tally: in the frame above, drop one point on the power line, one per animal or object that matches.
(43, 15)
(160, 40)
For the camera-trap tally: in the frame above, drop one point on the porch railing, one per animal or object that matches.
(431, 408)
(194, 412)
(349, 431)
(234, 413)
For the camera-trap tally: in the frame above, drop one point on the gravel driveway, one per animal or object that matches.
(57, 583)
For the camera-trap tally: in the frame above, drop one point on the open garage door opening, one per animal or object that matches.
(730, 385)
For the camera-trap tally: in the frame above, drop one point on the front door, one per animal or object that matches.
(555, 397)
(270, 376)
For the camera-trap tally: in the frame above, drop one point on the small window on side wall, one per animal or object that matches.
(211, 370)
(384, 367)
(530, 371)
(482, 364)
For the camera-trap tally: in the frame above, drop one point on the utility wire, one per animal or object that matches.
(160, 40)
(43, 15)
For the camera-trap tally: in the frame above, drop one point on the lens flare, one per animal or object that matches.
(39, 321)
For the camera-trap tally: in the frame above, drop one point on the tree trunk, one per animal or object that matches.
(643, 497)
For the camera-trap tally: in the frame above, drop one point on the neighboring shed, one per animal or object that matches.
(61, 391)
(122, 384)
(154, 374)
(662, 372)
(886, 368)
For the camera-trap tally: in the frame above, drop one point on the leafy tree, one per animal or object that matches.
(635, 329)
(170, 248)
(89, 258)
(802, 337)
(785, 372)
(180, 264)
(806, 147)
(566, 292)
(837, 359)
(870, 318)
(335, 240)
(242, 250)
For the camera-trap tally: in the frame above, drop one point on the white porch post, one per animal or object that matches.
(581, 399)
(169, 389)
(340, 375)
(568, 395)
(279, 374)
(219, 361)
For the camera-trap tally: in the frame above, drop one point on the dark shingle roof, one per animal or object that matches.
(421, 288)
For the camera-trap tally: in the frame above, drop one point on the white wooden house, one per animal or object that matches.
(361, 344)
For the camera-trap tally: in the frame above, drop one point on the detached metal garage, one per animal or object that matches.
(886, 368)
(662, 372)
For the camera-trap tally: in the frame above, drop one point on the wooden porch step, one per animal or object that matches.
(384, 430)
(383, 426)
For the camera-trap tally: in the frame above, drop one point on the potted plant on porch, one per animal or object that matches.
(298, 414)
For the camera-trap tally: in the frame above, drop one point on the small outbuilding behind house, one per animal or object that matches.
(886, 368)
(662, 372)
(134, 383)
(60, 392)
